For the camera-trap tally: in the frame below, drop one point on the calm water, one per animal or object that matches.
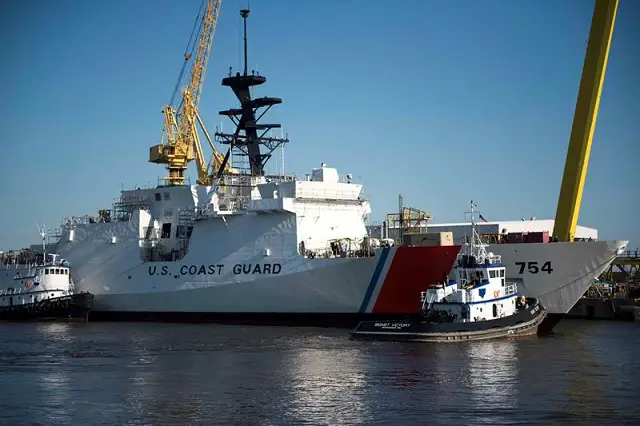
(134, 373)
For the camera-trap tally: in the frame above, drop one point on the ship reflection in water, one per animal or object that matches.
(327, 385)
(493, 368)
(206, 374)
(53, 382)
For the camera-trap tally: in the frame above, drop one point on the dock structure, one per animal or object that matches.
(625, 268)
(616, 295)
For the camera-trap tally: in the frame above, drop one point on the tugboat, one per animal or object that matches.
(478, 305)
(46, 291)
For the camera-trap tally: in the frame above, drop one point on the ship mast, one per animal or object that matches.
(476, 247)
(43, 233)
(473, 227)
(249, 134)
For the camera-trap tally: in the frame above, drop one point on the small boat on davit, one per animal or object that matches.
(478, 305)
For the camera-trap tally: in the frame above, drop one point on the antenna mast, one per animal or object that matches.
(43, 234)
(247, 117)
(245, 13)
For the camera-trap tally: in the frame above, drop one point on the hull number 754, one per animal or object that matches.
(534, 267)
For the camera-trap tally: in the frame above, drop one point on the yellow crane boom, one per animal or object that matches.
(181, 141)
(584, 120)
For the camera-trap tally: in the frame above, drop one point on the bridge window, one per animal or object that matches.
(46, 271)
(492, 274)
(166, 230)
(167, 196)
(495, 310)
(157, 196)
(502, 272)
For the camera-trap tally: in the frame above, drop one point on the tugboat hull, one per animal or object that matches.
(523, 323)
(75, 306)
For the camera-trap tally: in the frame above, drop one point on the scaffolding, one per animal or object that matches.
(124, 206)
(408, 220)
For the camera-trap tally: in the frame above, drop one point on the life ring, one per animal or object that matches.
(496, 294)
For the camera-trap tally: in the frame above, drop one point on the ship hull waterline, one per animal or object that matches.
(332, 292)
(572, 269)
(521, 324)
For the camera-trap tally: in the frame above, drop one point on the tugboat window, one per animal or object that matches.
(46, 272)
(495, 310)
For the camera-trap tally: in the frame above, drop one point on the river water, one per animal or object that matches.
(142, 373)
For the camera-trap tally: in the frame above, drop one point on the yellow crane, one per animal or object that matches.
(180, 142)
(584, 120)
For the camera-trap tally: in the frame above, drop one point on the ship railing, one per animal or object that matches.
(280, 178)
(71, 222)
(328, 253)
(425, 300)
(510, 288)
(630, 254)
(326, 194)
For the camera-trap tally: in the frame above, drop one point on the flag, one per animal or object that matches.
(483, 219)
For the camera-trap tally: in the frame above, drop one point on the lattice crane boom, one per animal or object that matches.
(205, 42)
(181, 142)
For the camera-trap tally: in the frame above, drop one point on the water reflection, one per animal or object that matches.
(167, 374)
(327, 386)
(54, 380)
(587, 375)
(167, 370)
(493, 372)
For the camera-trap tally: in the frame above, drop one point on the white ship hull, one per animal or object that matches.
(235, 276)
(122, 283)
(558, 274)
(302, 286)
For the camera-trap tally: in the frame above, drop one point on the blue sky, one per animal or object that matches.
(441, 101)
